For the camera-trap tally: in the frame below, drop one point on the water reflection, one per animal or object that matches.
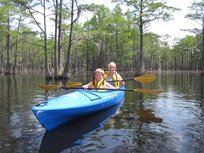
(16, 97)
(171, 122)
(72, 134)
(202, 95)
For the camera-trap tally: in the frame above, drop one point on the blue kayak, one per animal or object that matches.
(75, 104)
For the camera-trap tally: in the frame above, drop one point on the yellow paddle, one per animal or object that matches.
(143, 78)
(54, 87)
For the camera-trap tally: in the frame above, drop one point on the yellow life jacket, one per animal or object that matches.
(115, 78)
(98, 84)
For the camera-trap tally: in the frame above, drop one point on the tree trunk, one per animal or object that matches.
(60, 66)
(16, 48)
(1, 54)
(67, 64)
(66, 74)
(55, 41)
(47, 72)
(141, 69)
(8, 66)
(202, 71)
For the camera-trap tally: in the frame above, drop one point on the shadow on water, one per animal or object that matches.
(143, 117)
(147, 116)
(70, 134)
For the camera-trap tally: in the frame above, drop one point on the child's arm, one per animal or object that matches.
(120, 78)
(86, 86)
(109, 86)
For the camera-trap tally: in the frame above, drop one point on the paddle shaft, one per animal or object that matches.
(121, 80)
(135, 90)
(97, 88)
(54, 87)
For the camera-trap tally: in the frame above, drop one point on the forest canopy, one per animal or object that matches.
(108, 35)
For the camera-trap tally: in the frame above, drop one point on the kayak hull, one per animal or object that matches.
(75, 104)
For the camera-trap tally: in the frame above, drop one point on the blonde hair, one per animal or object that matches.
(112, 63)
(99, 70)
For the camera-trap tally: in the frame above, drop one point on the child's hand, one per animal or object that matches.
(122, 82)
(85, 87)
(106, 88)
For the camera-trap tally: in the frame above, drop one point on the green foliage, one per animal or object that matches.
(197, 15)
(198, 9)
(108, 35)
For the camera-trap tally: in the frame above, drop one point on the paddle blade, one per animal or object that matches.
(146, 78)
(149, 91)
(49, 87)
(73, 84)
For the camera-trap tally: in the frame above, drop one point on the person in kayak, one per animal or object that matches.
(113, 77)
(98, 81)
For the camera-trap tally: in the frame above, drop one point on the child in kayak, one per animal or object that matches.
(113, 77)
(98, 81)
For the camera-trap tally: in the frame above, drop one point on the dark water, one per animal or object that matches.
(171, 122)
